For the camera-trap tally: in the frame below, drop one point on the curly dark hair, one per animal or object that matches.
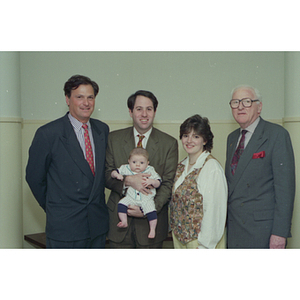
(132, 98)
(75, 81)
(201, 127)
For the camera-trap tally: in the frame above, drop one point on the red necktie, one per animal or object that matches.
(140, 145)
(88, 148)
(238, 152)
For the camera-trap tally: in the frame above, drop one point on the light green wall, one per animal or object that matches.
(10, 96)
(10, 152)
(11, 208)
(292, 87)
(185, 83)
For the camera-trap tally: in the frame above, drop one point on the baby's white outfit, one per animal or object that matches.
(134, 197)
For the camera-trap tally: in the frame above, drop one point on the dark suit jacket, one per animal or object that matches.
(62, 182)
(261, 193)
(163, 156)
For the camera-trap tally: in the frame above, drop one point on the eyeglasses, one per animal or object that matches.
(247, 102)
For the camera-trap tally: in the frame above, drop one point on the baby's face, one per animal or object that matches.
(138, 163)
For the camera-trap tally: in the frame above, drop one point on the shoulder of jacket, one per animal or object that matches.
(233, 133)
(274, 129)
(52, 125)
(270, 125)
(163, 134)
(121, 131)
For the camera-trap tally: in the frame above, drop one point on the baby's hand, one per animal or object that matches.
(145, 182)
(120, 177)
(151, 183)
(115, 174)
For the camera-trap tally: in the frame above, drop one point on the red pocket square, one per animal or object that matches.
(260, 154)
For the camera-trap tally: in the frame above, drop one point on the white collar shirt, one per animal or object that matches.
(212, 184)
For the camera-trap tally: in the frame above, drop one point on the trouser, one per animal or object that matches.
(96, 243)
(178, 245)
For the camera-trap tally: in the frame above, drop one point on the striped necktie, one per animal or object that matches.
(140, 145)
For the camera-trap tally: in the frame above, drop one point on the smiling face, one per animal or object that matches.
(246, 116)
(142, 114)
(138, 163)
(193, 144)
(81, 103)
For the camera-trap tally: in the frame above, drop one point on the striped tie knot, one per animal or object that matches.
(140, 145)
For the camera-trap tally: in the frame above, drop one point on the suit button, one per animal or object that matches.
(138, 194)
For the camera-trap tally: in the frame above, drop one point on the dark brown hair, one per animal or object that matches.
(201, 127)
(75, 81)
(132, 98)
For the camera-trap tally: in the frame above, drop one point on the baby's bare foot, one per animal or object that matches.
(151, 234)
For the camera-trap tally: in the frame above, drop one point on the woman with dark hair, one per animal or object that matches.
(199, 197)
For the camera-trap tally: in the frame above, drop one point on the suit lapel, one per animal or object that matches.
(231, 148)
(99, 143)
(71, 143)
(257, 139)
(152, 144)
(128, 142)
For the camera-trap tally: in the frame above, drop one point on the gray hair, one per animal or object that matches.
(248, 87)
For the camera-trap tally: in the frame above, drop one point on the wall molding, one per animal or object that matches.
(175, 122)
(11, 120)
(291, 120)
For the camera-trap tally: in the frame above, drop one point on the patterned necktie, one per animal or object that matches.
(88, 148)
(238, 152)
(140, 145)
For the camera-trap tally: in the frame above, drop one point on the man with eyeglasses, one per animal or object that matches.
(260, 172)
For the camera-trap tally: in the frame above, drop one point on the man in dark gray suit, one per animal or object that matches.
(163, 156)
(67, 187)
(261, 185)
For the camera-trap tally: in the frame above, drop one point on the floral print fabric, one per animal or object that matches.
(186, 206)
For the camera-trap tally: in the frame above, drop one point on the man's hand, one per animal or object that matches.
(277, 242)
(134, 211)
(136, 182)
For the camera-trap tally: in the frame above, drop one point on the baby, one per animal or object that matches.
(138, 163)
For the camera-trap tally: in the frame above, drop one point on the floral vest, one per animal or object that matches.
(186, 206)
